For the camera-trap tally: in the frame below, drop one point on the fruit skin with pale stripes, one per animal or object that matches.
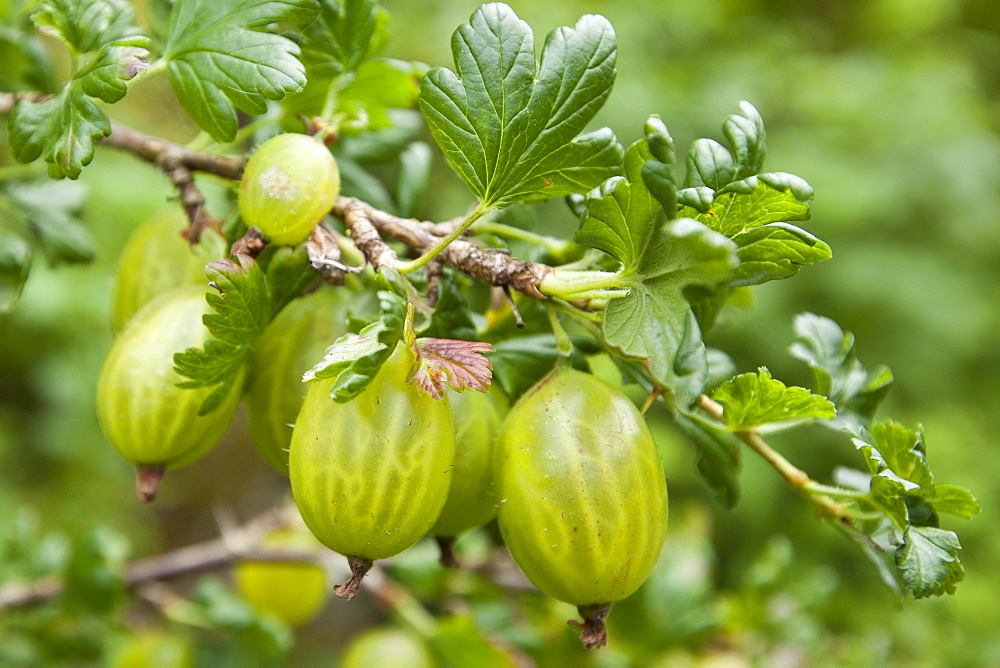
(145, 416)
(157, 258)
(371, 475)
(582, 494)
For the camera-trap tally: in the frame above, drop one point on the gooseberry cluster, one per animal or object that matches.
(571, 468)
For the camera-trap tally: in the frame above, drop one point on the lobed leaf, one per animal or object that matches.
(622, 215)
(242, 311)
(752, 400)
(220, 60)
(928, 561)
(510, 127)
(444, 363)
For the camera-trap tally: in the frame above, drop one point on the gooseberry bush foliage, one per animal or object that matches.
(358, 294)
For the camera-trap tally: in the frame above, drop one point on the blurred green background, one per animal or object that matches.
(889, 108)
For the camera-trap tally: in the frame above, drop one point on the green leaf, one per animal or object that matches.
(928, 561)
(709, 165)
(105, 76)
(15, 263)
(63, 129)
(953, 500)
(344, 34)
(414, 174)
(622, 215)
(776, 251)
(458, 643)
(263, 639)
(354, 359)
(86, 25)
(752, 400)
(220, 60)
(95, 574)
(837, 373)
(511, 128)
(655, 320)
(749, 140)
(520, 362)
(377, 87)
(242, 310)
(718, 457)
(756, 202)
(660, 172)
(49, 209)
(288, 273)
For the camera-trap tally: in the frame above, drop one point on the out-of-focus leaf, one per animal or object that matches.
(95, 575)
(49, 209)
(344, 34)
(718, 457)
(412, 178)
(837, 372)
(15, 263)
(458, 644)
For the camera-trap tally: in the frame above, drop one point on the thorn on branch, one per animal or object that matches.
(513, 307)
(324, 256)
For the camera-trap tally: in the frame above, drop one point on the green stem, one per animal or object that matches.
(814, 487)
(551, 244)
(563, 342)
(572, 285)
(413, 265)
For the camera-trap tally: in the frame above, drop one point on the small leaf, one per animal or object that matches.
(893, 451)
(928, 561)
(622, 215)
(709, 165)
(953, 500)
(511, 128)
(444, 363)
(749, 140)
(288, 274)
(354, 359)
(105, 76)
(242, 311)
(219, 59)
(837, 373)
(752, 400)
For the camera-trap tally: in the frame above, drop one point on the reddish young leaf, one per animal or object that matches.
(444, 362)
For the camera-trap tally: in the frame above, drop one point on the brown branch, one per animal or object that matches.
(493, 266)
(365, 222)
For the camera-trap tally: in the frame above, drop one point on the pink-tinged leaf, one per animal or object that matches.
(447, 362)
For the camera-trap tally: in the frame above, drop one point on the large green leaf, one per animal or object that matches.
(510, 127)
(655, 320)
(86, 25)
(220, 59)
